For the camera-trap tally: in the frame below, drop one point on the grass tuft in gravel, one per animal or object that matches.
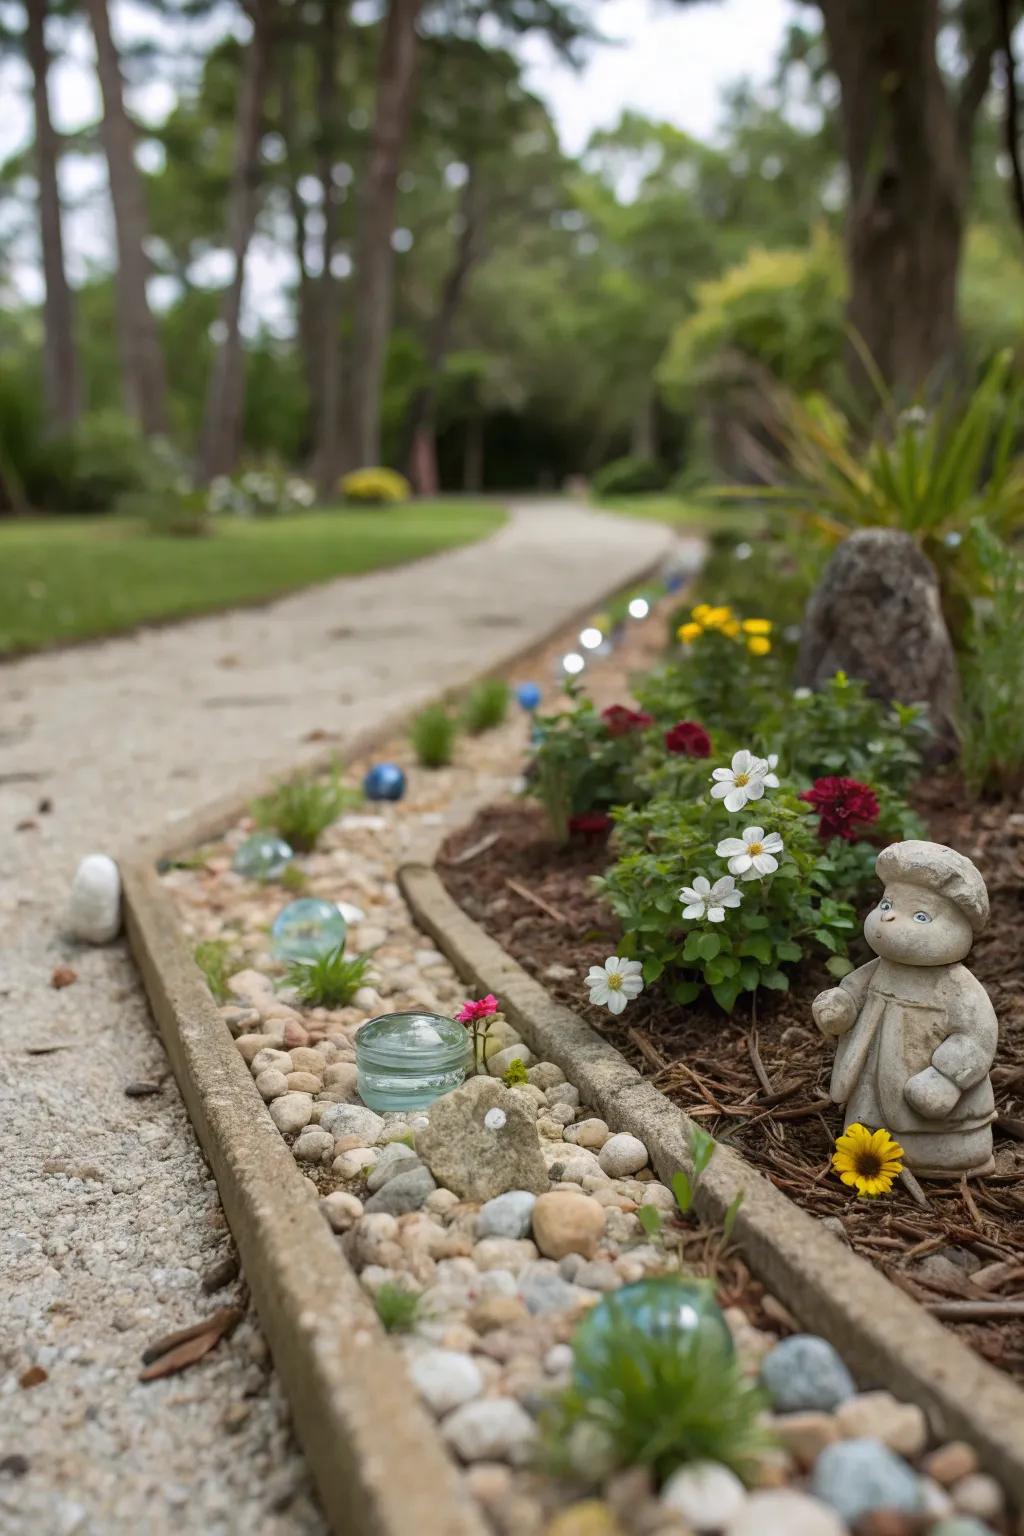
(301, 809)
(433, 736)
(330, 981)
(486, 706)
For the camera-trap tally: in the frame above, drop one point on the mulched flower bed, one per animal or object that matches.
(759, 1079)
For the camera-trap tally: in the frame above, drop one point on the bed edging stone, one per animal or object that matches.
(886, 1337)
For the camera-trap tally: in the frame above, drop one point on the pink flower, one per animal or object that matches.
(688, 739)
(470, 1012)
(622, 721)
(845, 806)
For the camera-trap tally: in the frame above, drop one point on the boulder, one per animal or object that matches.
(481, 1142)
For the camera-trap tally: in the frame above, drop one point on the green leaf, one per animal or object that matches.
(725, 994)
(775, 981)
(651, 1219)
(788, 949)
(683, 1191)
(708, 946)
(653, 968)
(684, 991)
(691, 949)
(839, 965)
(729, 1220)
(758, 949)
(750, 976)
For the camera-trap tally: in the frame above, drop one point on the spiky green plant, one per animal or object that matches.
(992, 721)
(214, 959)
(433, 736)
(330, 980)
(656, 1402)
(486, 705)
(301, 809)
(396, 1307)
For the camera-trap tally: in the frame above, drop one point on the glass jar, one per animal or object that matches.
(407, 1060)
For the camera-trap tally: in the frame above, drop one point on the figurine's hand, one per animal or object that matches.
(931, 1095)
(834, 1012)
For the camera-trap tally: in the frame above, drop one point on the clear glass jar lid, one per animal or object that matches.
(416, 1037)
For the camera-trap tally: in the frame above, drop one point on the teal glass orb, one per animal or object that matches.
(263, 856)
(668, 1309)
(407, 1060)
(307, 929)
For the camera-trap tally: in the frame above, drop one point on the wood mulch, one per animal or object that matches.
(759, 1079)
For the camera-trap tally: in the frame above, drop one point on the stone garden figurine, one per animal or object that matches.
(917, 1033)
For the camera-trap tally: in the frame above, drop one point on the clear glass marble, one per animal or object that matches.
(263, 856)
(407, 1060)
(669, 1309)
(307, 929)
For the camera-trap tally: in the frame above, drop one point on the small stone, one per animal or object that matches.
(591, 1517)
(249, 1046)
(706, 1494)
(880, 1416)
(574, 1164)
(545, 1075)
(559, 1360)
(935, 1501)
(502, 1060)
(313, 1146)
(564, 1114)
(588, 1133)
(979, 1495)
(398, 1130)
(564, 1222)
(622, 1155)
(805, 1372)
(507, 1215)
(563, 1093)
(305, 1059)
(950, 1462)
(355, 1163)
(63, 976)
(94, 910)
(341, 1209)
(389, 1163)
(543, 1289)
(352, 1120)
(342, 1075)
(857, 1477)
(805, 1435)
(784, 1512)
(271, 1084)
(489, 1482)
(504, 1253)
(291, 1112)
(404, 1192)
(491, 1429)
(270, 1057)
(445, 1379)
(303, 1082)
(474, 1159)
(597, 1275)
(441, 1201)
(495, 1312)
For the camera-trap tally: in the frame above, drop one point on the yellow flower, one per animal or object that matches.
(717, 618)
(867, 1160)
(687, 633)
(701, 612)
(757, 626)
(757, 645)
(731, 628)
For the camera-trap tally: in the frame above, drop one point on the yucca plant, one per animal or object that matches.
(301, 809)
(328, 981)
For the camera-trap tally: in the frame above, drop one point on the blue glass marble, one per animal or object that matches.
(307, 929)
(384, 781)
(669, 1309)
(528, 694)
(263, 856)
(407, 1060)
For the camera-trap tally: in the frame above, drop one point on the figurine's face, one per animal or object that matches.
(917, 927)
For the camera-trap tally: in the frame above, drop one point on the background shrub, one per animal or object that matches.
(629, 477)
(375, 487)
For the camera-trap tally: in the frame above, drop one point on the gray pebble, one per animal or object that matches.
(507, 1215)
(352, 1120)
(805, 1372)
(858, 1476)
(404, 1192)
(543, 1289)
(389, 1163)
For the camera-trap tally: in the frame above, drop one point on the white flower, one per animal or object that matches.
(702, 898)
(615, 983)
(744, 780)
(753, 854)
(770, 763)
(801, 693)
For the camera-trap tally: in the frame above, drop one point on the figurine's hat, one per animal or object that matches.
(937, 868)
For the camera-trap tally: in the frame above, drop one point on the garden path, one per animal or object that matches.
(110, 1216)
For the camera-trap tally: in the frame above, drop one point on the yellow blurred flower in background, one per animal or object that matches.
(757, 645)
(757, 626)
(687, 633)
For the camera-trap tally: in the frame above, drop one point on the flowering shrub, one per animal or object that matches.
(845, 807)
(585, 763)
(375, 486)
(267, 492)
(840, 730)
(724, 673)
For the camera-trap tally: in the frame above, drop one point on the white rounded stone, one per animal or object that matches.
(707, 1495)
(291, 1112)
(271, 1084)
(341, 1209)
(785, 1512)
(94, 910)
(445, 1379)
(491, 1429)
(622, 1155)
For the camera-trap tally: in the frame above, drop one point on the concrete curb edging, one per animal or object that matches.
(378, 1461)
(886, 1337)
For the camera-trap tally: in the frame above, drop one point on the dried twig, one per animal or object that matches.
(537, 901)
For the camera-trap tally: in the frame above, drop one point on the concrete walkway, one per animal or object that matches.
(110, 1218)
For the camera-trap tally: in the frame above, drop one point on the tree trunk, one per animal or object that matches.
(307, 326)
(328, 391)
(908, 184)
(420, 414)
(473, 455)
(142, 363)
(60, 355)
(643, 442)
(225, 400)
(374, 255)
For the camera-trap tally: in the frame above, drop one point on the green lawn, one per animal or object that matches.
(65, 579)
(702, 517)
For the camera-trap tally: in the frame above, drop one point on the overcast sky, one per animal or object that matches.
(665, 62)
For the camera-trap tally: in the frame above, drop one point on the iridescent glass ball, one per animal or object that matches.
(307, 929)
(668, 1309)
(384, 781)
(529, 695)
(407, 1060)
(263, 856)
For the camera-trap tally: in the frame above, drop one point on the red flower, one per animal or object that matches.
(481, 1009)
(622, 721)
(596, 823)
(845, 806)
(688, 739)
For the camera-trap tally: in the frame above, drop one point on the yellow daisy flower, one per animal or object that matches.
(867, 1160)
(757, 626)
(717, 618)
(757, 645)
(701, 612)
(687, 633)
(731, 628)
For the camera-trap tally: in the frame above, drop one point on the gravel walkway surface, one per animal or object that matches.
(111, 1220)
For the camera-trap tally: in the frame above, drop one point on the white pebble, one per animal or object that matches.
(292, 1111)
(354, 1163)
(706, 1494)
(445, 1379)
(341, 1209)
(313, 1146)
(491, 1429)
(271, 1084)
(622, 1155)
(94, 910)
